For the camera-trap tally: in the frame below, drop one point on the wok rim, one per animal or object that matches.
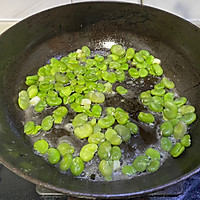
(92, 195)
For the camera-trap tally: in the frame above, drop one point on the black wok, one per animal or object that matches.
(29, 44)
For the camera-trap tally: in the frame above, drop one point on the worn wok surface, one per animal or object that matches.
(29, 44)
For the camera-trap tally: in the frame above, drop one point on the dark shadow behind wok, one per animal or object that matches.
(29, 44)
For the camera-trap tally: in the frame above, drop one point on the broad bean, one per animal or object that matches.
(87, 152)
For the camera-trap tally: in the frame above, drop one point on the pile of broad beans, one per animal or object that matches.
(80, 82)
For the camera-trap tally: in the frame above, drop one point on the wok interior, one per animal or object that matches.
(32, 42)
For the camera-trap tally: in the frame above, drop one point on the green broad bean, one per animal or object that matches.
(180, 130)
(128, 170)
(140, 163)
(108, 87)
(73, 82)
(177, 150)
(101, 66)
(104, 150)
(31, 80)
(155, 107)
(97, 128)
(156, 104)
(145, 97)
(91, 85)
(150, 60)
(124, 66)
(23, 100)
(145, 54)
(81, 81)
(130, 53)
(79, 88)
(110, 110)
(66, 162)
(105, 75)
(90, 76)
(65, 59)
(47, 123)
(159, 86)
(121, 117)
(93, 122)
(142, 65)
(40, 106)
(90, 62)
(53, 101)
(79, 70)
(37, 128)
(42, 95)
(168, 84)
(106, 122)
(146, 117)
(96, 97)
(32, 91)
(45, 86)
(65, 148)
(180, 101)
(70, 75)
(132, 127)
(186, 109)
(83, 131)
(170, 111)
(123, 131)
(86, 51)
(41, 146)
(68, 100)
(61, 78)
(96, 138)
(186, 141)
(105, 168)
(77, 166)
(112, 136)
(120, 75)
(138, 57)
(61, 111)
(188, 118)
(87, 152)
(121, 90)
(166, 128)
(112, 78)
(66, 91)
(113, 57)
(143, 72)
(96, 110)
(166, 144)
(57, 119)
(158, 92)
(57, 87)
(122, 60)
(114, 65)
(152, 154)
(134, 62)
(153, 166)
(157, 69)
(169, 96)
(133, 73)
(52, 93)
(115, 153)
(100, 87)
(174, 121)
(53, 155)
(117, 50)
(42, 71)
(29, 127)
